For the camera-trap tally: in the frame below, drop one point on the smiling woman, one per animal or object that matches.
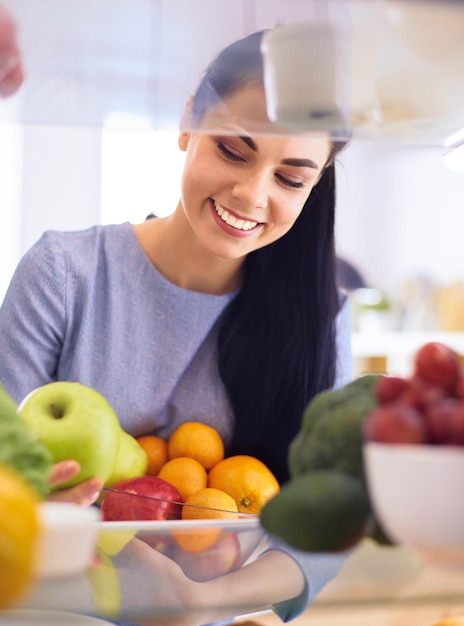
(226, 309)
(261, 182)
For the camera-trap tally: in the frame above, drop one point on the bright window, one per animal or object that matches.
(140, 170)
(11, 141)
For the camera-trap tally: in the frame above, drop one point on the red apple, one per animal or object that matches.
(395, 423)
(221, 558)
(389, 388)
(459, 390)
(438, 364)
(445, 421)
(142, 498)
(420, 393)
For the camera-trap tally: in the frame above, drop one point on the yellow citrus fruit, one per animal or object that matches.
(185, 473)
(19, 535)
(247, 479)
(157, 452)
(198, 441)
(450, 621)
(207, 503)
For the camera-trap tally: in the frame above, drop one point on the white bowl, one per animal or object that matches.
(68, 538)
(204, 548)
(417, 494)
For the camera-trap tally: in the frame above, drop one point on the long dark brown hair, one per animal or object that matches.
(277, 337)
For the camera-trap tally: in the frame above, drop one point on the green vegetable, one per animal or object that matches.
(330, 436)
(20, 449)
(322, 511)
(325, 507)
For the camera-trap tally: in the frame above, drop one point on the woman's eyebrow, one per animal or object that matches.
(301, 163)
(290, 161)
(249, 142)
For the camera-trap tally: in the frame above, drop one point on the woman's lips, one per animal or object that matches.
(233, 221)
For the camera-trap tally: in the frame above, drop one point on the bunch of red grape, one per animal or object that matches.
(427, 407)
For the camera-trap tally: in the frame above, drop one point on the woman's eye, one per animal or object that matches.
(228, 153)
(289, 183)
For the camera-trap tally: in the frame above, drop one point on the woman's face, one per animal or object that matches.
(241, 190)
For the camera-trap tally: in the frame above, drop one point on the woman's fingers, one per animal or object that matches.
(85, 493)
(63, 471)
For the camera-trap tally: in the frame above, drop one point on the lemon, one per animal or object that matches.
(19, 535)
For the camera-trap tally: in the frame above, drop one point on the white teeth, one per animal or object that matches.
(229, 219)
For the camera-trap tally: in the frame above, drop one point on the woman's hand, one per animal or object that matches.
(154, 589)
(11, 69)
(85, 493)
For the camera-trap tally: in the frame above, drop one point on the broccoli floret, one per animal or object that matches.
(20, 449)
(330, 436)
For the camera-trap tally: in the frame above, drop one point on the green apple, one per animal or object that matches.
(76, 422)
(131, 460)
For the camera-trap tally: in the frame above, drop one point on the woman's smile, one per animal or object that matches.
(231, 222)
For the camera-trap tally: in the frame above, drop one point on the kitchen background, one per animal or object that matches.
(400, 210)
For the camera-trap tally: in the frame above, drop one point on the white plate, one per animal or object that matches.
(249, 522)
(26, 617)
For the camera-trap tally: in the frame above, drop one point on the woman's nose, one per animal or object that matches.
(252, 189)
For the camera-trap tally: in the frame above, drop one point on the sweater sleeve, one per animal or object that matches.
(33, 319)
(344, 368)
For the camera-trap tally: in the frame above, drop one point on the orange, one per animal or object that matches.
(198, 441)
(185, 473)
(210, 503)
(207, 503)
(157, 452)
(19, 535)
(247, 479)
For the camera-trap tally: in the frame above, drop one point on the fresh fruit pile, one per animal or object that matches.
(194, 480)
(191, 469)
(424, 408)
(186, 477)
